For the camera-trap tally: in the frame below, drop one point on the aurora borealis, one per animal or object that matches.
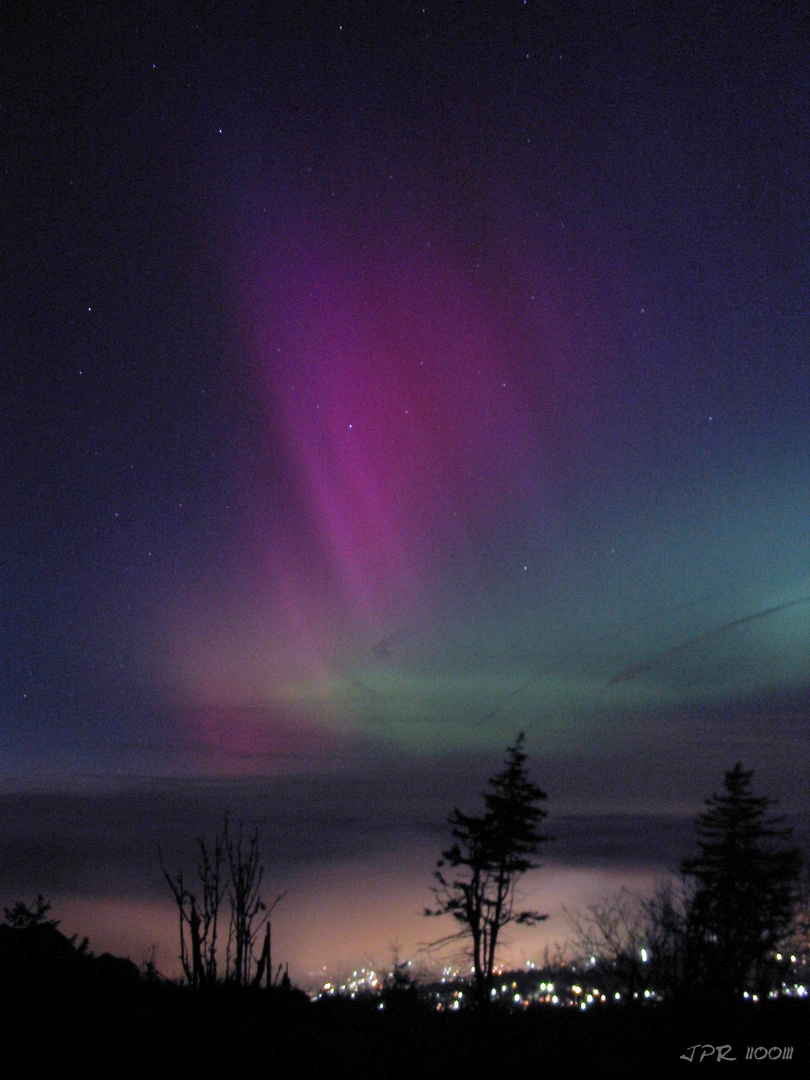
(468, 530)
(381, 381)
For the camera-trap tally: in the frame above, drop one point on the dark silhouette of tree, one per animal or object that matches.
(399, 991)
(746, 876)
(249, 913)
(477, 874)
(800, 940)
(614, 936)
(198, 911)
(667, 915)
(21, 916)
(230, 867)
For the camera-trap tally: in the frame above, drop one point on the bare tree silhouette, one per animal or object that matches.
(231, 869)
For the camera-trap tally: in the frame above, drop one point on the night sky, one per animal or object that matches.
(379, 381)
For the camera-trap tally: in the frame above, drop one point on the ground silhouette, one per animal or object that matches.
(67, 1013)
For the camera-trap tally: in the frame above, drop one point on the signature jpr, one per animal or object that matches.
(707, 1052)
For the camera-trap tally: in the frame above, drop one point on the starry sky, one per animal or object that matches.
(381, 380)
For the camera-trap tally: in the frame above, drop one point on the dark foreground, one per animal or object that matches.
(63, 1014)
(229, 1034)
